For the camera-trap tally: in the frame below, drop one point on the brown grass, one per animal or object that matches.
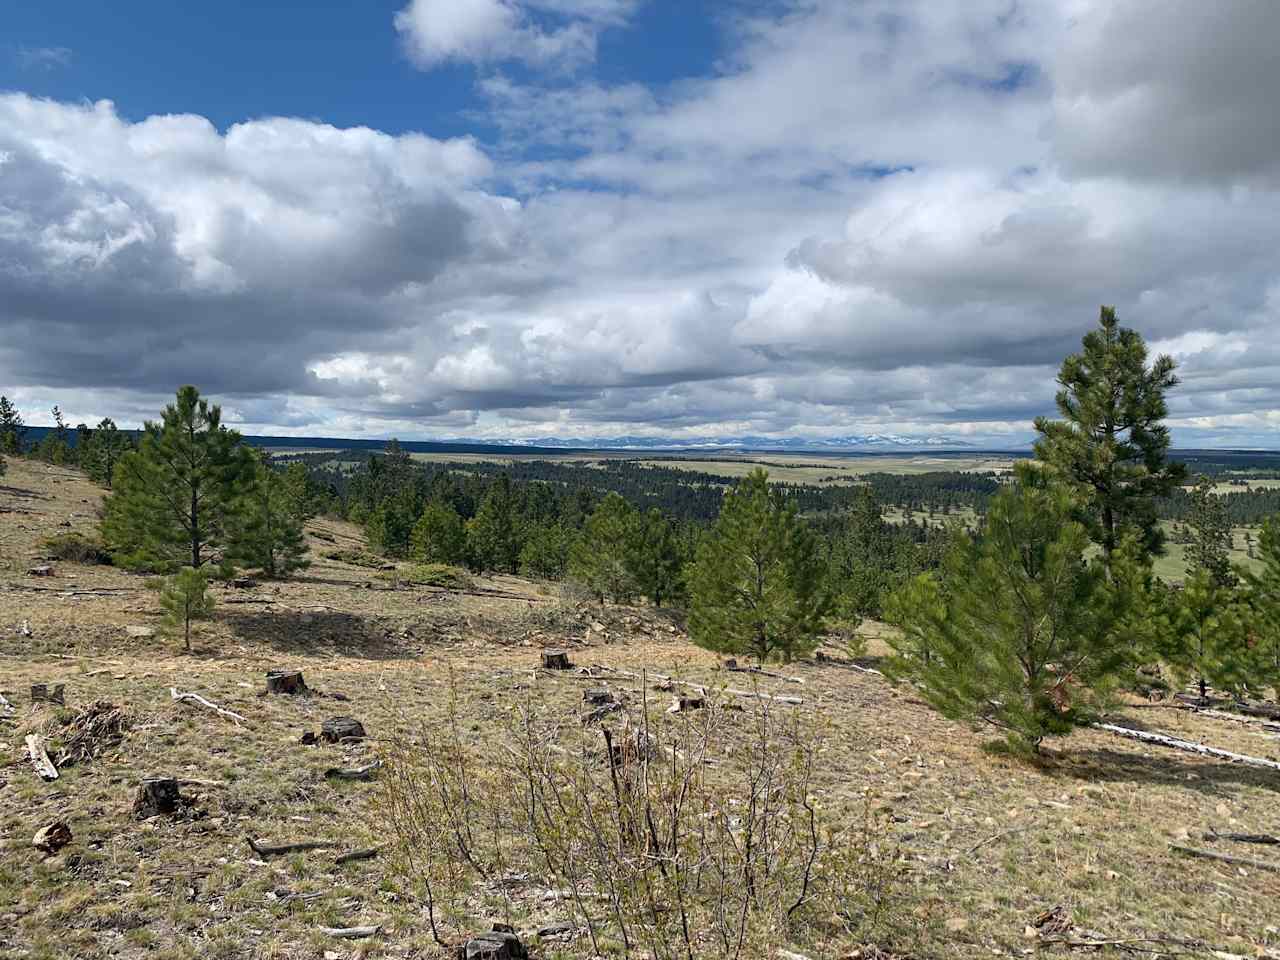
(990, 842)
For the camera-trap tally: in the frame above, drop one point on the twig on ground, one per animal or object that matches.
(1273, 867)
(196, 698)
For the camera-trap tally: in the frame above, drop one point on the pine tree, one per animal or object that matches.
(184, 597)
(102, 450)
(13, 434)
(1263, 595)
(756, 586)
(440, 536)
(493, 535)
(297, 490)
(653, 560)
(546, 551)
(173, 499)
(1018, 629)
(1204, 638)
(266, 532)
(56, 446)
(1111, 444)
(1210, 542)
(600, 558)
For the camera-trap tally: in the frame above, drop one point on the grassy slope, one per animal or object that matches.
(991, 842)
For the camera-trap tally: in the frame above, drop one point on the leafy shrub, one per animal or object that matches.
(76, 548)
(439, 575)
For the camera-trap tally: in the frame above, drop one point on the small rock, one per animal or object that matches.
(494, 945)
(52, 838)
(341, 728)
(556, 930)
(140, 633)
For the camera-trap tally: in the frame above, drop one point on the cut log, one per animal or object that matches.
(1273, 867)
(196, 698)
(243, 583)
(43, 693)
(337, 729)
(351, 933)
(1263, 838)
(52, 837)
(279, 849)
(681, 704)
(35, 750)
(366, 854)
(285, 681)
(598, 697)
(353, 773)
(156, 796)
(1174, 743)
(494, 945)
(555, 660)
(732, 667)
(44, 570)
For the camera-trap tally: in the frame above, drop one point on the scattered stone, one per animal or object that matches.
(52, 838)
(42, 693)
(140, 633)
(555, 660)
(44, 570)
(285, 681)
(341, 728)
(501, 943)
(156, 795)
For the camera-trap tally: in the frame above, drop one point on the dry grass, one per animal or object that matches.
(990, 842)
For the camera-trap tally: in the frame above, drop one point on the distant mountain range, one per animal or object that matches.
(871, 441)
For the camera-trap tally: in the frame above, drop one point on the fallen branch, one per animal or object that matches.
(1263, 838)
(1225, 858)
(760, 672)
(350, 933)
(35, 750)
(367, 854)
(700, 688)
(1174, 743)
(196, 698)
(353, 773)
(276, 850)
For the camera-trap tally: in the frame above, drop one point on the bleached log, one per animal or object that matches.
(35, 750)
(1174, 743)
(353, 773)
(1273, 867)
(196, 698)
(351, 933)
(279, 849)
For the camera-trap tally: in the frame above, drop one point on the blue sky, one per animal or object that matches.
(590, 217)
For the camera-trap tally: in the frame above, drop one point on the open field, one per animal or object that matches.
(988, 843)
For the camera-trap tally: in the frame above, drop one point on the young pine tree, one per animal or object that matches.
(600, 558)
(493, 535)
(13, 433)
(1017, 630)
(173, 499)
(653, 559)
(267, 534)
(56, 446)
(1209, 544)
(185, 597)
(545, 553)
(1203, 636)
(103, 448)
(1262, 591)
(1111, 445)
(756, 587)
(440, 536)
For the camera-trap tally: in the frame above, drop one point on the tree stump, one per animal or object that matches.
(243, 583)
(285, 681)
(156, 795)
(598, 697)
(44, 570)
(555, 660)
(42, 693)
(683, 704)
(52, 838)
(341, 728)
(497, 944)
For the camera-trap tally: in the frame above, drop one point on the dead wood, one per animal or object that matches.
(351, 933)
(52, 837)
(39, 758)
(353, 773)
(43, 693)
(1175, 743)
(157, 795)
(279, 849)
(700, 688)
(285, 681)
(732, 667)
(339, 729)
(196, 698)
(1273, 867)
(555, 660)
(366, 854)
(1263, 838)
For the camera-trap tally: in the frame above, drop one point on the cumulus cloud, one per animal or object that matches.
(559, 33)
(869, 217)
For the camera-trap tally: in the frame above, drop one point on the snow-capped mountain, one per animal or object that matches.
(872, 441)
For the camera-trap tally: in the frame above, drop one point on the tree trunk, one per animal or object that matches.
(555, 660)
(156, 795)
(341, 728)
(285, 681)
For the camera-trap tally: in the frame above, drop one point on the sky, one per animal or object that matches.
(526, 218)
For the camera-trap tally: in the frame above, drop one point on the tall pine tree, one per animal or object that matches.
(103, 449)
(1262, 588)
(1210, 545)
(13, 433)
(173, 499)
(1111, 444)
(600, 558)
(1204, 637)
(266, 528)
(757, 586)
